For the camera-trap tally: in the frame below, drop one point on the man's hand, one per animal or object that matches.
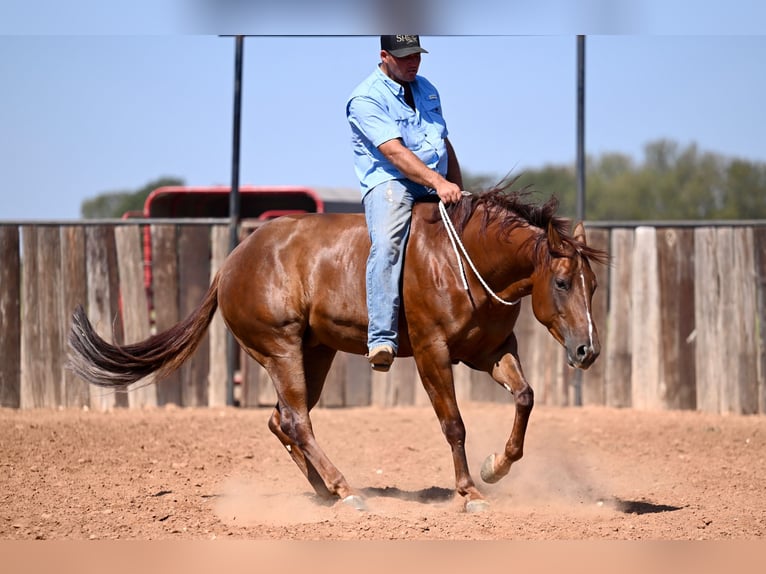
(414, 169)
(449, 192)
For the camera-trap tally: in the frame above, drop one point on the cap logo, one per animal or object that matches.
(407, 38)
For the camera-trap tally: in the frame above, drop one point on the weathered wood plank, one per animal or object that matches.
(619, 319)
(730, 350)
(529, 355)
(543, 361)
(743, 351)
(646, 378)
(30, 320)
(594, 379)
(193, 283)
(10, 317)
(727, 319)
(267, 394)
(217, 375)
(31, 327)
(249, 372)
(103, 308)
(41, 342)
(164, 294)
(51, 314)
(759, 247)
(706, 319)
(359, 381)
(485, 389)
(397, 386)
(134, 304)
(525, 329)
(333, 392)
(675, 249)
(74, 281)
(404, 376)
(256, 389)
(348, 382)
(461, 375)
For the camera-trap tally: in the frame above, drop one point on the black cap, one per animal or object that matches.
(401, 45)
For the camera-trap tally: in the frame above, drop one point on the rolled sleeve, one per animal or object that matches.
(372, 121)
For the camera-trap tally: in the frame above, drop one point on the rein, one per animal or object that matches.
(455, 240)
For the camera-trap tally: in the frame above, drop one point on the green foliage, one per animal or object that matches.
(671, 183)
(113, 204)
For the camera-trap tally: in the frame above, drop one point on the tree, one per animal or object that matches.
(113, 204)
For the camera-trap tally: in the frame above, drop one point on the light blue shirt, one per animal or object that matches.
(378, 113)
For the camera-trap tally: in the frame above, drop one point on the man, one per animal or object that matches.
(401, 154)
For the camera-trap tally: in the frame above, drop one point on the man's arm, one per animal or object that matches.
(411, 166)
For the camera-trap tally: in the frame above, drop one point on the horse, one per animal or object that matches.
(293, 295)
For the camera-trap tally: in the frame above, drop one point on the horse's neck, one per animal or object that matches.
(505, 262)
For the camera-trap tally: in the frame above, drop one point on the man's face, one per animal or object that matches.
(400, 69)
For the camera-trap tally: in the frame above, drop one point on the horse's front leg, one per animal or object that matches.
(507, 371)
(435, 371)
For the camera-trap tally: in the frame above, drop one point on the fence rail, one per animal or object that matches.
(681, 313)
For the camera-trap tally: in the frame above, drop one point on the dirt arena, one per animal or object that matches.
(180, 474)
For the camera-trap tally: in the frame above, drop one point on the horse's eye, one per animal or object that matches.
(562, 284)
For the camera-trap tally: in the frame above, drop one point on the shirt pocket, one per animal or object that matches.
(432, 115)
(412, 130)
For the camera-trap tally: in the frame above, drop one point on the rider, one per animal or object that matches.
(401, 154)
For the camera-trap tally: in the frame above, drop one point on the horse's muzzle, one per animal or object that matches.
(583, 355)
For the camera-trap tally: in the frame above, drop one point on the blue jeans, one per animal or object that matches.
(388, 210)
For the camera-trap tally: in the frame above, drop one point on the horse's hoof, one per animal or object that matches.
(355, 502)
(488, 473)
(476, 506)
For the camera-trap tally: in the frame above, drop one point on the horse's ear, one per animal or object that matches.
(579, 233)
(554, 239)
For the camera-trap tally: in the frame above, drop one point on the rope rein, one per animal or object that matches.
(455, 240)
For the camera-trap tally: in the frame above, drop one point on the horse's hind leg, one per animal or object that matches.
(316, 365)
(297, 394)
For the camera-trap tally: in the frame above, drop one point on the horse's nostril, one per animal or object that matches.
(582, 351)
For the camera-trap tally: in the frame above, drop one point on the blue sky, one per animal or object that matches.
(82, 113)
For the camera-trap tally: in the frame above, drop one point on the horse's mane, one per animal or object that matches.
(513, 208)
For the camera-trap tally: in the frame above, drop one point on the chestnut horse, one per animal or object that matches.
(293, 294)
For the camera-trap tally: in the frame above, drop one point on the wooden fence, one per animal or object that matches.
(680, 312)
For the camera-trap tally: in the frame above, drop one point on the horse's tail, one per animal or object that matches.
(107, 365)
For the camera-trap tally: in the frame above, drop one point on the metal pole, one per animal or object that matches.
(581, 128)
(234, 206)
(577, 378)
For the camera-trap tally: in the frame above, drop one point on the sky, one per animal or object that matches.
(112, 100)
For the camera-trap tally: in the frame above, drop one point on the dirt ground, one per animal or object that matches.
(588, 473)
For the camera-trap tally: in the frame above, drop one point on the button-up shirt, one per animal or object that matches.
(378, 112)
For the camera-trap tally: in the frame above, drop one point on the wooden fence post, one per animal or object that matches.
(594, 379)
(675, 263)
(10, 317)
(135, 304)
(647, 384)
(41, 351)
(619, 320)
(74, 280)
(759, 243)
(103, 307)
(165, 299)
(217, 375)
(740, 290)
(193, 282)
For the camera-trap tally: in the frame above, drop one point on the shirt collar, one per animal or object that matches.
(395, 87)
